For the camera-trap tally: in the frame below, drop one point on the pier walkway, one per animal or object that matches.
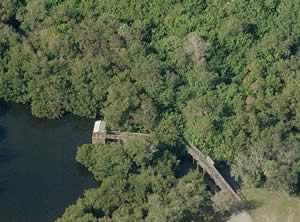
(100, 135)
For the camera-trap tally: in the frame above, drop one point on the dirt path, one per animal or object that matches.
(241, 217)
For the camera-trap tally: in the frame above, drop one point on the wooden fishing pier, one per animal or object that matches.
(101, 135)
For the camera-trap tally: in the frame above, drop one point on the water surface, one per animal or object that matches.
(39, 176)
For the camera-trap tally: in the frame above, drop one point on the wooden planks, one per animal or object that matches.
(208, 167)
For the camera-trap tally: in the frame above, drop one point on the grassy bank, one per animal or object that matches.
(272, 206)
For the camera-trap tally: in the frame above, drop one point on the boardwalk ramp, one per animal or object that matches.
(207, 165)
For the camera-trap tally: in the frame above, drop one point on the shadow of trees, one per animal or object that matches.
(4, 107)
(225, 169)
(3, 110)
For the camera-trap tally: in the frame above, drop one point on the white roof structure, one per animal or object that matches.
(100, 127)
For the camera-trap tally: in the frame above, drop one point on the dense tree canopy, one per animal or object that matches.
(223, 74)
(138, 183)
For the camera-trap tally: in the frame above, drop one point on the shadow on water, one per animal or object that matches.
(4, 108)
(80, 124)
(82, 170)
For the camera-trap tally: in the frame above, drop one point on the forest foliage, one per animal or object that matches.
(223, 74)
(138, 182)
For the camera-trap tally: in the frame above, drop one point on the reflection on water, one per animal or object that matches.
(39, 176)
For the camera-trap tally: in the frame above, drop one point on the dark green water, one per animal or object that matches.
(39, 176)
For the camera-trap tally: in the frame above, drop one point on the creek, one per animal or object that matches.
(39, 176)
